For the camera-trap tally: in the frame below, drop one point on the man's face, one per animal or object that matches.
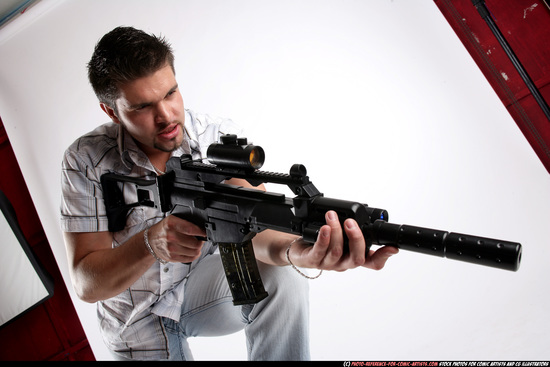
(151, 109)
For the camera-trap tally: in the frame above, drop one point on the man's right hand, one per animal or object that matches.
(174, 239)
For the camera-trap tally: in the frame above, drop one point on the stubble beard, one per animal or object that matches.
(173, 144)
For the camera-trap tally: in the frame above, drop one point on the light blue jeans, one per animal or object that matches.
(277, 328)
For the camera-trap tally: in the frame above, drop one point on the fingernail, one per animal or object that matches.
(350, 224)
(332, 215)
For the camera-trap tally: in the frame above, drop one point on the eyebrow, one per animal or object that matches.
(145, 104)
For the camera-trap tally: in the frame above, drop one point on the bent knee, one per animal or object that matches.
(284, 280)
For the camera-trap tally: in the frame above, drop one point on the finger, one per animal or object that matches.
(377, 259)
(184, 233)
(174, 239)
(357, 245)
(336, 246)
(312, 256)
(179, 246)
(184, 226)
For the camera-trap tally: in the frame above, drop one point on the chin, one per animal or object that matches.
(169, 147)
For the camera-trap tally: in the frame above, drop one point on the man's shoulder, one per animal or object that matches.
(201, 122)
(205, 129)
(96, 143)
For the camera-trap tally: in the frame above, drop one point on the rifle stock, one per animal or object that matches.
(233, 215)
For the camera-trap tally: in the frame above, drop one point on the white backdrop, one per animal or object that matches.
(383, 105)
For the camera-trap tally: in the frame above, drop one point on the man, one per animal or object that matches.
(154, 282)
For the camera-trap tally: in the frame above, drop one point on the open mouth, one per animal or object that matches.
(170, 132)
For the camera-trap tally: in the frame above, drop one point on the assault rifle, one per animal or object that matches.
(233, 215)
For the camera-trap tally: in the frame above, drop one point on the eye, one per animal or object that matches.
(139, 108)
(172, 92)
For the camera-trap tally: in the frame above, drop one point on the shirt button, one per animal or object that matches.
(166, 270)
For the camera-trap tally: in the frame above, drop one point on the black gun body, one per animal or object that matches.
(233, 215)
(230, 213)
(255, 210)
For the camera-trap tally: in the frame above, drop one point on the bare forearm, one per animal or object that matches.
(104, 273)
(270, 247)
(100, 271)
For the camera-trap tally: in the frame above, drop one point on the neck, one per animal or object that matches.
(157, 157)
(159, 161)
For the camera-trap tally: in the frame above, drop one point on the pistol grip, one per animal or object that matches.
(241, 270)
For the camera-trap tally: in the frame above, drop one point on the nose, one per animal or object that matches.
(162, 113)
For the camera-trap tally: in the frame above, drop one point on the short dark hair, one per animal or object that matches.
(123, 55)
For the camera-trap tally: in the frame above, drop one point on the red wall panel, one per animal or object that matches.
(524, 25)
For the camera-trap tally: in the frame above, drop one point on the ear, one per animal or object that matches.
(110, 112)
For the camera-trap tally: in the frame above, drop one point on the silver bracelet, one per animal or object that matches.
(146, 240)
(294, 267)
